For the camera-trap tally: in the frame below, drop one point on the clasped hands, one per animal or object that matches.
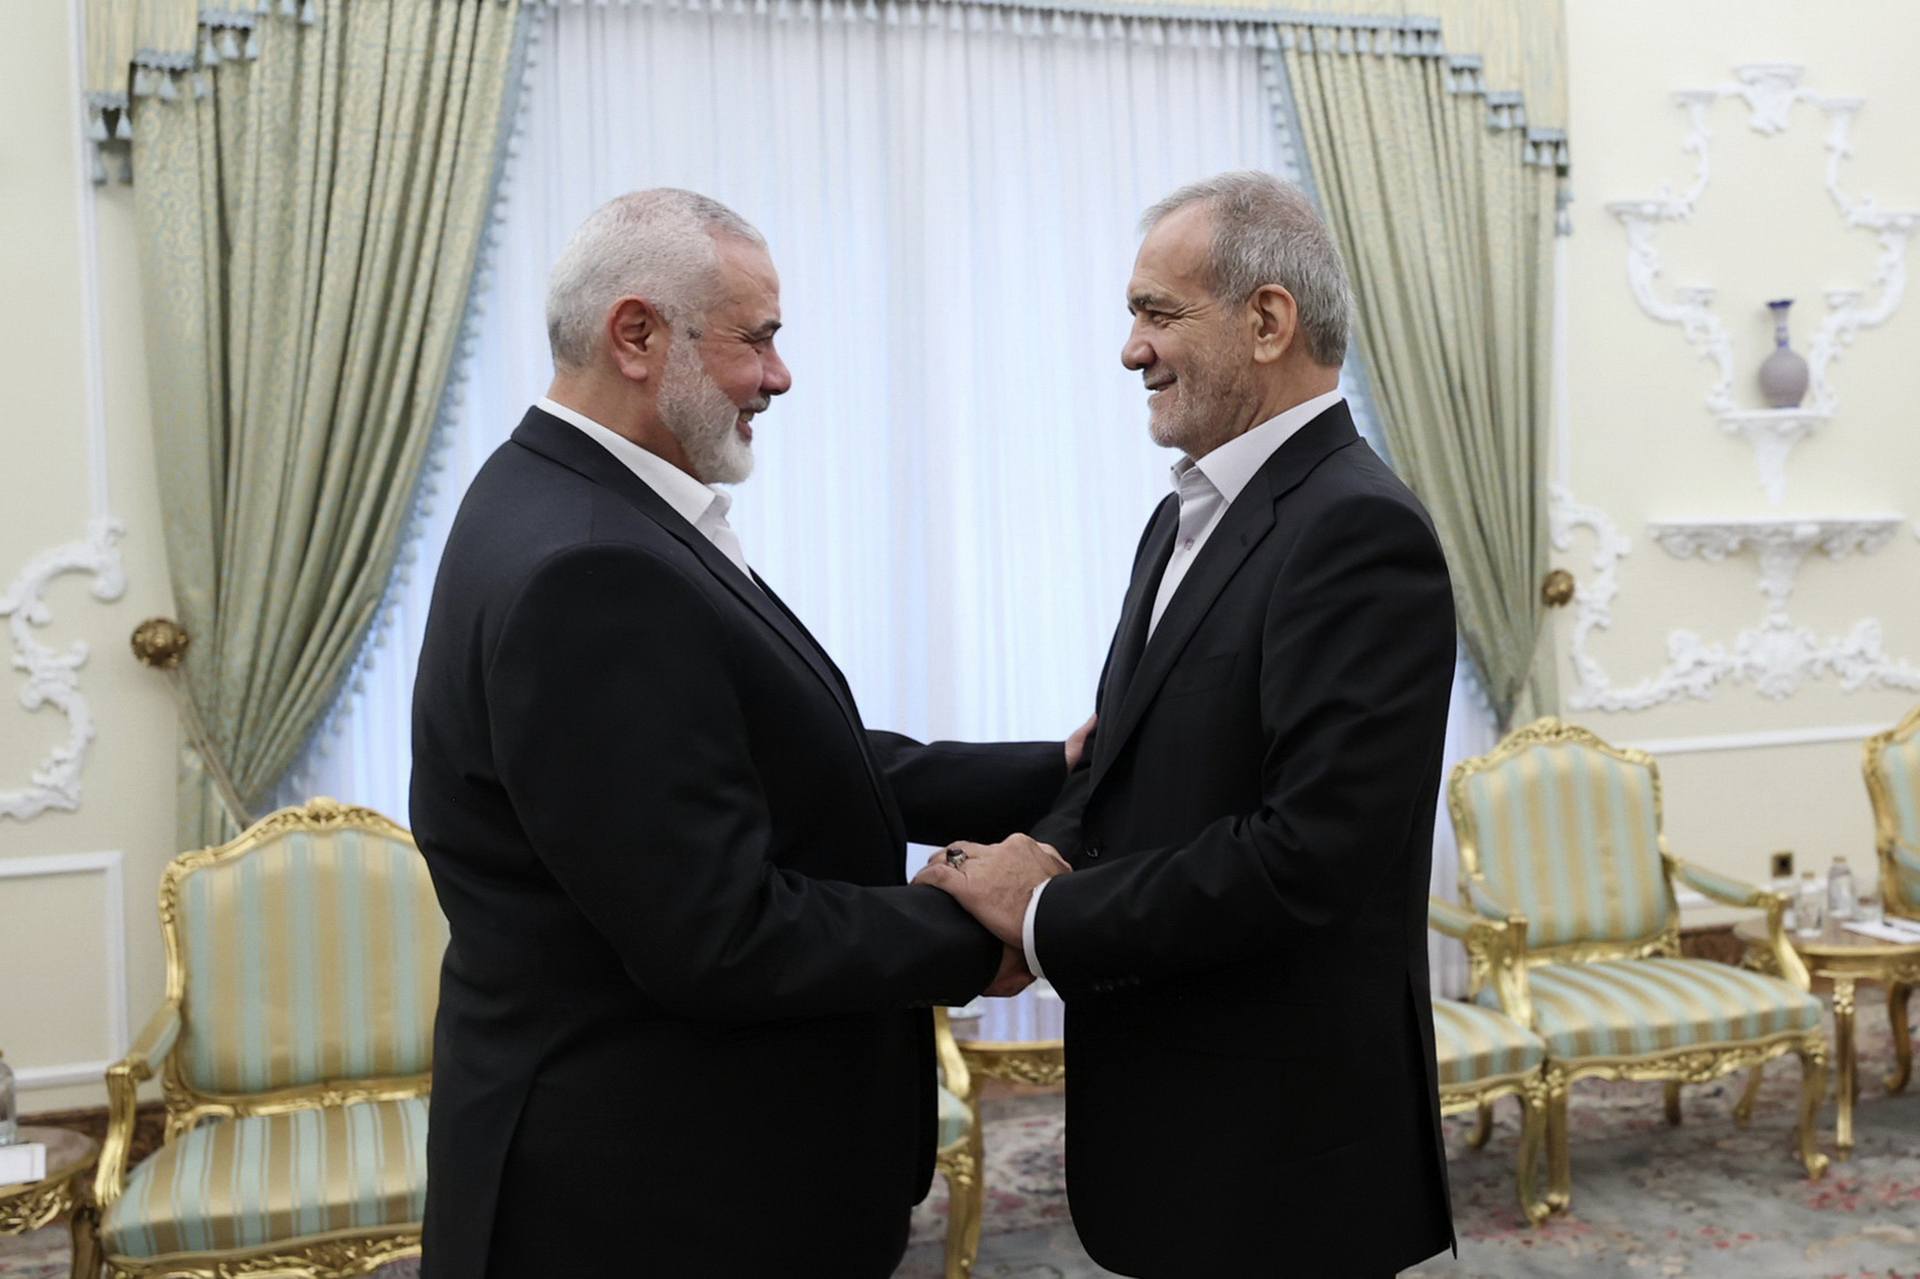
(993, 883)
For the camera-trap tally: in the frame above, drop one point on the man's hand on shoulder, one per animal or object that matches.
(1077, 743)
(993, 881)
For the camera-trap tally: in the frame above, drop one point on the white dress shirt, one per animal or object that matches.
(700, 505)
(1207, 487)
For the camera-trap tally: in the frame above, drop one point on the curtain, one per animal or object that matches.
(1445, 210)
(952, 492)
(311, 198)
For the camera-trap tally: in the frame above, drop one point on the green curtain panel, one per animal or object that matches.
(313, 187)
(1446, 213)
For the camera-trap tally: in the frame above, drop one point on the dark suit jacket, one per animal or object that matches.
(1242, 943)
(682, 1024)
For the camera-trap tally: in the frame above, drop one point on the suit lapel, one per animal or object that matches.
(1131, 639)
(573, 449)
(1247, 522)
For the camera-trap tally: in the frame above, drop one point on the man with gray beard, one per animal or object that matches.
(683, 1023)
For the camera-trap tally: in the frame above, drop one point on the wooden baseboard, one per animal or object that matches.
(149, 1125)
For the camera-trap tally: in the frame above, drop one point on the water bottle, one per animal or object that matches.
(1841, 902)
(9, 1117)
(1810, 912)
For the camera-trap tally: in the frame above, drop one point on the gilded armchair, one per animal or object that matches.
(294, 1050)
(962, 1158)
(1484, 1055)
(1560, 837)
(1892, 766)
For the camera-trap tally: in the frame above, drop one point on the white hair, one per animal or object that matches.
(657, 245)
(1266, 231)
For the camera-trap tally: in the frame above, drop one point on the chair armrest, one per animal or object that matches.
(1483, 900)
(1724, 889)
(151, 1047)
(946, 1051)
(1733, 892)
(1495, 947)
(1906, 857)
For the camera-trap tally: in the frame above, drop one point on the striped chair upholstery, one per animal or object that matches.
(1893, 763)
(1637, 1007)
(247, 1182)
(1569, 836)
(315, 956)
(1474, 1044)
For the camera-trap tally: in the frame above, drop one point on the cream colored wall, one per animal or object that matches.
(1640, 443)
(64, 995)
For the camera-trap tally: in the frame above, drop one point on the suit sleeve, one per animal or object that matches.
(622, 745)
(963, 790)
(1356, 667)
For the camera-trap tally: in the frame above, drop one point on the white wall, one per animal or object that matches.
(1641, 444)
(75, 439)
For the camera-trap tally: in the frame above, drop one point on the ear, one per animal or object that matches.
(1275, 318)
(637, 337)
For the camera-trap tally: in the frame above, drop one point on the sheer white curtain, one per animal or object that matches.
(951, 493)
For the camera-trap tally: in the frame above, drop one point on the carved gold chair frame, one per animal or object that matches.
(1886, 822)
(964, 1162)
(1495, 941)
(337, 1255)
(1505, 968)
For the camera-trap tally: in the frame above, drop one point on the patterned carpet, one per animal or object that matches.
(1708, 1200)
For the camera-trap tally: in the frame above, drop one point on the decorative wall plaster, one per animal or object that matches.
(1773, 433)
(52, 676)
(1770, 92)
(1776, 657)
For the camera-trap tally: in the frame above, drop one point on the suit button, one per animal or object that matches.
(1093, 852)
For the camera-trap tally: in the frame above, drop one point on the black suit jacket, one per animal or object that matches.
(682, 1024)
(1242, 943)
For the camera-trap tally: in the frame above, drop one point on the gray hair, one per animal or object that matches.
(657, 245)
(1266, 231)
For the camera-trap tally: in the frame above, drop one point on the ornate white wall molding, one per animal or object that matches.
(1770, 92)
(1775, 657)
(53, 676)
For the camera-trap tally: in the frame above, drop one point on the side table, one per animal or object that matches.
(67, 1188)
(1844, 957)
(1025, 1061)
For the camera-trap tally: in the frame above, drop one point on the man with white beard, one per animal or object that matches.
(683, 1023)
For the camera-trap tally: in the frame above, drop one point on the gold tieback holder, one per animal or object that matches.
(1556, 590)
(161, 643)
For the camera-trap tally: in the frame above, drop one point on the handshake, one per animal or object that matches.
(994, 882)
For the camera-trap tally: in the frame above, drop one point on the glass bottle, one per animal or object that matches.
(1841, 902)
(1810, 911)
(9, 1117)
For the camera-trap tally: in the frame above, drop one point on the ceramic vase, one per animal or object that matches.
(1783, 374)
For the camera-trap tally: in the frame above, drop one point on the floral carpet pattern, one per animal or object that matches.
(1708, 1200)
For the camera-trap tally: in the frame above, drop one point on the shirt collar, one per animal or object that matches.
(690, 499)
(1229, 467)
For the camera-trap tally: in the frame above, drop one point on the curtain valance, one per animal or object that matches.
(164, 48)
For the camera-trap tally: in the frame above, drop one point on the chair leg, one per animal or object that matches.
(1559, 1158)
(1743, 1109)
(1813, 1087)
(966, 1173)
(1483, 1126)
(1673, 1103)
(1533, 1122)
(85, 1230)
(1902, 1037)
